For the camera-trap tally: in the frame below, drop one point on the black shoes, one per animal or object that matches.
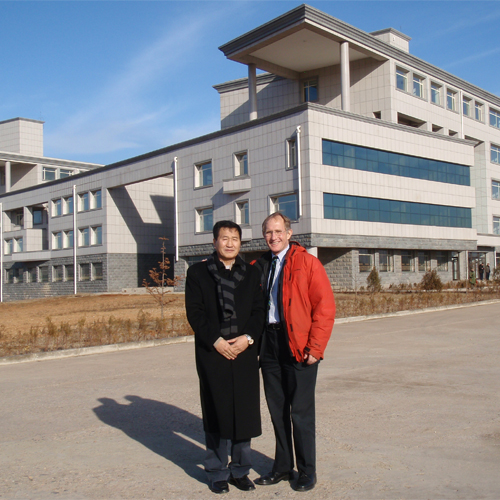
(305, 482)
(242, 483)
(274, 478)
(219, 487)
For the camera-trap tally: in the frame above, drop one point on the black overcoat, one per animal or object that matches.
(230, 398)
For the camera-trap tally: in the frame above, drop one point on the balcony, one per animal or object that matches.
(237, 185)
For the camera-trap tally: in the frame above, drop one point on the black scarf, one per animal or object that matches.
(225, 292)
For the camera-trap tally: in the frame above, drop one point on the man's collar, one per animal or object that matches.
(282, 254)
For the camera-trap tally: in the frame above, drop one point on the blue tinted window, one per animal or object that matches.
(342, 207)
(338, 154)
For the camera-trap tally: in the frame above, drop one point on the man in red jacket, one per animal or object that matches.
(299, 322)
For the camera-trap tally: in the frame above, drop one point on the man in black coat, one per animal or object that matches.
(225, 307)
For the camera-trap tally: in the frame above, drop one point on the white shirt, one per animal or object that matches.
(274, 315)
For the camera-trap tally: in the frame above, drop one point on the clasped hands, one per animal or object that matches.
(231, 348)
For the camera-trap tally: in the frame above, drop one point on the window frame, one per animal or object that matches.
(411, 264)
(451, 94)
(201, 224)
(494, 153)
(49, 170)
(94, 276)
(57, 207)
(84, 237)
(494, 117)
(82, 276)
(96, 235)
(495, 189)
(242, 207)
(57, 240)
(57, 276)
(388, 266)
(479, 111)
(496, 224)
(467, 104)
(437, 90)
(83, 201)
(402, 76)
(442, 260)
(418, 82)
(274, 204)
(96, 199)
(68, 206)
(423, 261)
(67, 238)
(199, 174)
(291, 154)
(240, 158)
(307, 85)
(366, 267)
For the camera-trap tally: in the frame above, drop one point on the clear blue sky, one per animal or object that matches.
(117, 79)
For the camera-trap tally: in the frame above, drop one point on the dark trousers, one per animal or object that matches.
(289, 387)
(217, 458)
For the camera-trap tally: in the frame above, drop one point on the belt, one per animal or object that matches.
(274, 326)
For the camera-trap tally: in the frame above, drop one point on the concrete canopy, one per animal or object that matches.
(304, 39)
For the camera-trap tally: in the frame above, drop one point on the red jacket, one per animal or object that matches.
(307, 305)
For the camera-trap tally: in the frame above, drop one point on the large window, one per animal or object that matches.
(241, 164)
(424, 261)
(9, 246)
(242, 213)
(310, 90)
(496, 225)
(365, 260)
(384, 162)
(68, 205)
(402, 79)
(343, 207)
(495, 190)
(418, 86)
(203, 174)
(451, 100)
(64, 172)
(286, 204)
(205, 219)
(49, 174)
(407, 261)
(442, 261)
(495, 153)
(385, 261)
(494, 118)
(436, 93)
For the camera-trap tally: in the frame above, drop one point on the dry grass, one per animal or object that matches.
(79, 321)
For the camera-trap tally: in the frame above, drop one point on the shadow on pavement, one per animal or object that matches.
(167, 430)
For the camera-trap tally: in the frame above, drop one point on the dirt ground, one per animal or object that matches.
(19, 316)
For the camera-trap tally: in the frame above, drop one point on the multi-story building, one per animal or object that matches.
(379, 158)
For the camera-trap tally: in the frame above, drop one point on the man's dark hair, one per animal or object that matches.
(225, 223)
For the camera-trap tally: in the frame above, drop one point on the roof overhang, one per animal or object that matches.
(304, 39)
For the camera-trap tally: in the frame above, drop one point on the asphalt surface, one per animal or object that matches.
(407, 408)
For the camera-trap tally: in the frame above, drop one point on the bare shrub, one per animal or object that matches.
(431, 281)
(373, 281)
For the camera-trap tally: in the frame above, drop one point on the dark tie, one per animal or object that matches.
(271, 281)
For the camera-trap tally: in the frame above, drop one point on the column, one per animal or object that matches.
(7, 177)
(252, 91)
(345, 77)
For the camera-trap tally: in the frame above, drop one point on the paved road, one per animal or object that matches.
(408, 408)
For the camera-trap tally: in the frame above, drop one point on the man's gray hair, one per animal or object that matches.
(276, 215)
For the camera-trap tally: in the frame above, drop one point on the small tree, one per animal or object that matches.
(158, 290)
(431, 281)
(373, 280)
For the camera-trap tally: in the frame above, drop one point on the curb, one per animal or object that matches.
(86, 351)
